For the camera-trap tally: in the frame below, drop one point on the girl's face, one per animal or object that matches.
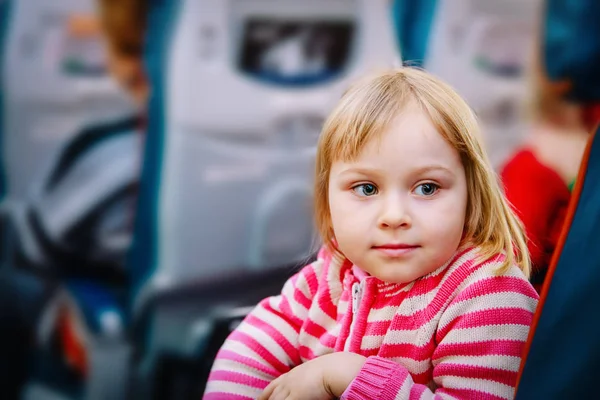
(127, 70)
(398, 210)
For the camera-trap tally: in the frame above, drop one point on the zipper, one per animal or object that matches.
(357, 289)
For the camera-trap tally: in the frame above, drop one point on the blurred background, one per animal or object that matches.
(157, 161)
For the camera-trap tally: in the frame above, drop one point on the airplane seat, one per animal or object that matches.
(562, 321)
(79, 222)
(71, 249)
(233, 170)
(225, 208)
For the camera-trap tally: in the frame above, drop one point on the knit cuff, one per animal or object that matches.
(379, 378)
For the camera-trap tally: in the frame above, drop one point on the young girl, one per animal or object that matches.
(421, 289)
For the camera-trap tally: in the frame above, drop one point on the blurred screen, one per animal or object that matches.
(82, 48)
(295, 52)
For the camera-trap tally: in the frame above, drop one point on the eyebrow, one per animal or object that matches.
(361, 171)
(417, 171)
(432, 168)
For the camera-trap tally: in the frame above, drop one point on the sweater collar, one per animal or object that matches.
(353, 273)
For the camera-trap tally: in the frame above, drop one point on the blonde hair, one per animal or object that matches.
(367, 109)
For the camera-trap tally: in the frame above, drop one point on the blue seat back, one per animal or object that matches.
(564, 353)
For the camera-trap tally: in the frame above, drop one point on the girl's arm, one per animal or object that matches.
(265, 345)
(479, 340)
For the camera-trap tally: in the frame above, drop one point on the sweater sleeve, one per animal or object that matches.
(479, 340)
(265, 345)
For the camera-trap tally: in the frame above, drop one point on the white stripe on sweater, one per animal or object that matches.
(282, 325)
(490, 332)
(484, 302)
(268, 342)
(507, 363)
(483, 385)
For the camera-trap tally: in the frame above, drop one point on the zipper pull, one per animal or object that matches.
(356, 292)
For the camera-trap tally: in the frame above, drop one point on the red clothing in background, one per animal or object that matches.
(540, 198)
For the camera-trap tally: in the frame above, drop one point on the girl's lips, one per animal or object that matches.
(395, 246)
(396, 250)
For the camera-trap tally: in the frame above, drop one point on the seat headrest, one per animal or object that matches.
(571, 46)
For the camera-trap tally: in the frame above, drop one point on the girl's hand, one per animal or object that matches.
(325, 377)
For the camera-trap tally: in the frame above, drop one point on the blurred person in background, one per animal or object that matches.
(539, 176)
(121, 23)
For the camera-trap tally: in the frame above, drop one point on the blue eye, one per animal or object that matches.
(365, 189)
(426, 189)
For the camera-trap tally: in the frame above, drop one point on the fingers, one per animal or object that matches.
(266, 394)
(274, 392)
(280, 393)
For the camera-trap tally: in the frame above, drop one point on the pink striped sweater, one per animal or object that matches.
(455, 333)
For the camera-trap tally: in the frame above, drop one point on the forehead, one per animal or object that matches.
(409, 140)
